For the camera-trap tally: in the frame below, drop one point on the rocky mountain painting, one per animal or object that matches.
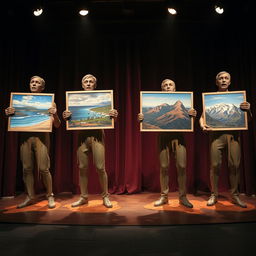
(222, 110)
(166, 111)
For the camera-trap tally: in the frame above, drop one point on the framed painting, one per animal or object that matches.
(221, 110)
(166, 111)
(31, 112)
(90, 109)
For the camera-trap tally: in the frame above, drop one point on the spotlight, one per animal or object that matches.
(38, 11)
(172, 7)
(172, 11)
(219, 8)
(83, 11)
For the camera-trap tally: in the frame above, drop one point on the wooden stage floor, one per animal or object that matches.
(135, 209)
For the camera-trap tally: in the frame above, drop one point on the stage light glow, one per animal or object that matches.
(219, 9)
(37, 12)
(83, 12)
(172, 11)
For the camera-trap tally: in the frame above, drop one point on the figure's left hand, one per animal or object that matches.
(192, 112)
(52, 110)
(113, 113)
(245, 106)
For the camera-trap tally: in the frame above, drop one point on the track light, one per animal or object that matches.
(37, 8)
(172, 7)
(38, 11)
(172, 11)
(219, 8)
(82, 7)
(83, 11)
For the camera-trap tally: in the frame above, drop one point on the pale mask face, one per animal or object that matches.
(36, 85)
(223, 81)
(88, 84)
(168, 86)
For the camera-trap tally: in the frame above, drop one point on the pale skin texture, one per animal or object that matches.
(223, 81)
(89, 83)
(169, 86)
(37, 85)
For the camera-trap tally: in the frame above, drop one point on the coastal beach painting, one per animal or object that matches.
(31, 112)
(90, 109)
(222, 110)
(166, 111)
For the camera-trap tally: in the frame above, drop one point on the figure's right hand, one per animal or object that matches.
(9, 111)
(66, 114)
(140, 117)
(206, 128)
(203, 125)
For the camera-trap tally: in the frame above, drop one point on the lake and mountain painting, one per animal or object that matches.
(166, 111)
(222, 110)
(90, 109)
(31, 112)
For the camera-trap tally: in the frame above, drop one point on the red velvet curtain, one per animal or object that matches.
(126, 57)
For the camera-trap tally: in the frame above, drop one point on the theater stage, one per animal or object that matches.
(135, 209)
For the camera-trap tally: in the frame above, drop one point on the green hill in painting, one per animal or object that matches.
(104, 109)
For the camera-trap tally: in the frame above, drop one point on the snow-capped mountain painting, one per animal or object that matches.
(166, 111)
(222, 110)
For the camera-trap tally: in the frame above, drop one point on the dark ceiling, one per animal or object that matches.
(131, 9)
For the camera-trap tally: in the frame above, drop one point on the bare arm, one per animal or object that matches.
(246, 106)
(113, 113)
(55, 118)
(204, 126)
(140, 117)
(9, 111)
(192, 112)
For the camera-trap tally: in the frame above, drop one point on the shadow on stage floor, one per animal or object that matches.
(136, 209)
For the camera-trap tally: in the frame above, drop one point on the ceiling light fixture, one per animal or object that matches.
(219, 8)
(38, 11)
(83, 12)
(172, 11)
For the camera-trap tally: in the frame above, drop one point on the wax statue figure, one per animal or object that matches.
(35, 146)
(225, 140)
(172, 142)
(91, 141)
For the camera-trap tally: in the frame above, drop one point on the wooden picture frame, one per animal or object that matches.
(166, 111)
(221, 110)
(90, 109)
(31, 112)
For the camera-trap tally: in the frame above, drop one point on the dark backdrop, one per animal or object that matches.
(126, 54)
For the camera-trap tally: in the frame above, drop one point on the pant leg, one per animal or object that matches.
(216, 159)
(27, 158)
(164, 171)
(82, 155)
(43, 164)
(234, 164)
(98, 151)
(181, 161)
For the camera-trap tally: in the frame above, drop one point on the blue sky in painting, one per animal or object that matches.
(36, 101)
(89, 99)
(232, 98)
